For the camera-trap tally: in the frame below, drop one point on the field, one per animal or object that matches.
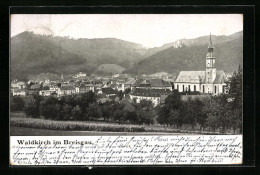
(20, 125)
(22, 131)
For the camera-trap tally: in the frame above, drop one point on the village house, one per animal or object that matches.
(90, 87)
(208, 81)
(19, 92)
(35, 86)
(46, 92)
(83, 88)
(18, 84)
(153, 95)
(80, 74)
(109, 92)
(54, 87)
(66, 90)
(151, 84)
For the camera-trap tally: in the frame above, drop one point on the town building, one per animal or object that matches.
(54, 87)
(18, 84)
(80, 74)
(153, 95)
(19, 92)
(152, 84)
(35, 86)
(66, 90)
(46, 92)
(109, 92)
(210, 80)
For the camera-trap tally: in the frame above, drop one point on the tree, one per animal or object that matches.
(235, 90)
(172, 102)
(93, 111)
(107, 110)
(132, 117)
(145, 117)
(121, 95)
(174, 118)
(51, 111)
(119, 116)
(86, 99)
(146, 105)
(76, 113)
(200, 115)
(31, 109)
(217, 110)
(17, 103)
(66, 112)
(163, 115)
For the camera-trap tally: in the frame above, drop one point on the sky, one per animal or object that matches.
(150, 30)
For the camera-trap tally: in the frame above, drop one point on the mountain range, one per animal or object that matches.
(190, 54)
(33, 54)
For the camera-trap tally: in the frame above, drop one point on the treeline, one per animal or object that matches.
(83, 107)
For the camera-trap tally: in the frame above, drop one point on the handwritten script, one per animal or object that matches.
(125, 150)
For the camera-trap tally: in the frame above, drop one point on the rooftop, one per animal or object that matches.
(108, 90)
(191, 76)
(150, 92)
(67, 88)
(152, 83)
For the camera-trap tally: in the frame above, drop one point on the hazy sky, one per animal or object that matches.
(150, 30)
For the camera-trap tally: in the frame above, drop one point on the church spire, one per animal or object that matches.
(210, 42)
(210, 47)
(62, 79)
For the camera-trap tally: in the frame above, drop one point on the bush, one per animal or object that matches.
(17, 103)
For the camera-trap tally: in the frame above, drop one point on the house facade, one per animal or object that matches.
(150, 89)
(18, 84)
(209, 81)
(19, 92)
(66, 90)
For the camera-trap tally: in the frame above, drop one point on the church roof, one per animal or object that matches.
(198, 77)
(191, 77)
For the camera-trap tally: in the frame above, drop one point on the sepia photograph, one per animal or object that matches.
(126, 74)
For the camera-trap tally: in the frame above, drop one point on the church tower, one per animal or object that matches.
(62, 79)
(210, 63)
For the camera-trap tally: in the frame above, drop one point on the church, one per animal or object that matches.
(208, 81)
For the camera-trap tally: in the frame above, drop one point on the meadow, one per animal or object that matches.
(22, 125)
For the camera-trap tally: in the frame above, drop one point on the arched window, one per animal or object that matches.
(194, 87)
(203, 89)
(215, 89)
